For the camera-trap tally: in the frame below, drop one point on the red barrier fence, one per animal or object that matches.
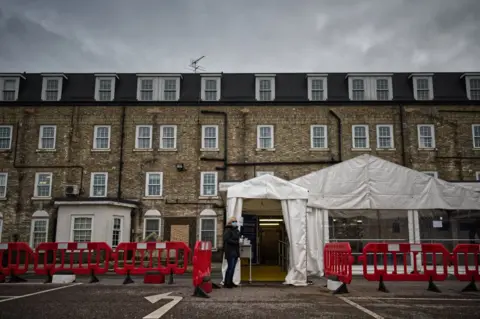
(399, 254)
(465, 273)
(337, 261)
(73, 258)
(143, 258)
(202, 267)
(15, 259)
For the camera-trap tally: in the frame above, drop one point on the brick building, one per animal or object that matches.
(116, 157)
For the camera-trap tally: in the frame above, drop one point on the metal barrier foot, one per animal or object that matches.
(170, 277)
(128, 279)
(199, 292)
(381, 286)
(432, 286)
(49, 278)
(341, 290)
(93, 278)
(471, 287)
(215, 286)
(15, 279)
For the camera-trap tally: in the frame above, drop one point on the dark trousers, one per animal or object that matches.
(231, 262)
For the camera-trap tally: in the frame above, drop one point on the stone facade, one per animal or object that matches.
(181, 189)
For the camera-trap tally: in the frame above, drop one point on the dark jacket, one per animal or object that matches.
(231, 242)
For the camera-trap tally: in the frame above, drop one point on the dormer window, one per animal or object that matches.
(158, 87)
(317, 87)
(52, 87)
(472, 84)
(265, 87)
(422, 86)
(368, 87)
(105, 87)
(211, 87)
(9, 86)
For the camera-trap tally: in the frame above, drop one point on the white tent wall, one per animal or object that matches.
(293, 201)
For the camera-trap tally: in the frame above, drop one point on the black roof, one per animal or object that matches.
(239, 88)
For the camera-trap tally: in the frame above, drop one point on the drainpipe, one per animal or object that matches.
(122, 146)
(339, 134)
(402, 134)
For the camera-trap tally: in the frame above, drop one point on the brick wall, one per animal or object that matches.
(181, 189)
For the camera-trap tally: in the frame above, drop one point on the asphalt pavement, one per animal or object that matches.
(111, 299)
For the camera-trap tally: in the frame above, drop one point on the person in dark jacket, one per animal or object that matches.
(231, 247)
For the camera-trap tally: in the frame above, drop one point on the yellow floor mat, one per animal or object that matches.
(263, 273)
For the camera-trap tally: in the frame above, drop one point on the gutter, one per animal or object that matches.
(402, 134)
(122, 146)
(339, 134)
(225, 140)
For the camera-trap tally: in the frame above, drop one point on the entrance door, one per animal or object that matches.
(269, 240)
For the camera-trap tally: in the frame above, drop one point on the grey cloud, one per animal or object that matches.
(240, 36)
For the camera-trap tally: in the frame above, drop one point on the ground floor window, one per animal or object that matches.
(82, 227)
(151, 228)
(359, 227)
(117, 231)
(38, 232)
(208, 227)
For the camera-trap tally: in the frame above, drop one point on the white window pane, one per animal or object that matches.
(5, 137)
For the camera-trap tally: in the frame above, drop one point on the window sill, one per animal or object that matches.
(265, 150)
(361, 149)
(430, 149)
(386, 149)
(3, 198)
(312, 149)
(209, 197)
(167, 150)
(105, 196)
(41, 198)
(152, 197)
(143, 149)
(209, 150)
(5, 150)
(476, 148)
(100, 150)
(46, 150)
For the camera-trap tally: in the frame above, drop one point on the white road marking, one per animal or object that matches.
(413, 299)
(40, 292)
(157, 314)
(365, 310)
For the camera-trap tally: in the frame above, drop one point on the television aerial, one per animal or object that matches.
(194, 66)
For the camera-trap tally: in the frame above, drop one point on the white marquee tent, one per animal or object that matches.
(271, 195)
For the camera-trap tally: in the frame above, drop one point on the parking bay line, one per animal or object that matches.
(414, 299)
(363, 309)
(40, 292)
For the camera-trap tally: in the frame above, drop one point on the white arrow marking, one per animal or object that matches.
(157, 314)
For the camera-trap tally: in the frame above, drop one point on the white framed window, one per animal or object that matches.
(9, 88)
(43, 185)
(143, 139)
(168, 137)
(265, 137)
(38, 231)
(360, 137)
(52, 87)
(318, 137)
(473, 87)
(98, 184)
(158, 87)
(317, 87)
(208, 183)
(152, 224)
(422, 87)
(370, 87)
(117, 231)
(211, 87)
(426, 136)
(476, 135)
(81, 229)
(477, 175)
(48, 137)
(208, 227)
(154, 184)
(385, 136)
(101, 137)
(6, 132)
(210, 137)
(260, 173)
(431, 173)
(265, 87)
(105, 87)
(3, 185)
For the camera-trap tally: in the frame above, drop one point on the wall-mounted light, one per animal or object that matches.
(180, 167)
(269, 224)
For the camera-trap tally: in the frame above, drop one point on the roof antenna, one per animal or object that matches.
(194, 64)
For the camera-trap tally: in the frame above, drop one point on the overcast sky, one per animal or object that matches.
(239, 35)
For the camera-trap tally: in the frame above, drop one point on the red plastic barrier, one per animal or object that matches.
(202, 268)
(77, 258)
(140, 258)
(427, 273)
(465, 273)
(11, 263)
(338, 261)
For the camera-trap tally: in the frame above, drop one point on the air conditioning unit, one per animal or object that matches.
(71, 190)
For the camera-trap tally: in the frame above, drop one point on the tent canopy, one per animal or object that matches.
(368, 182)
